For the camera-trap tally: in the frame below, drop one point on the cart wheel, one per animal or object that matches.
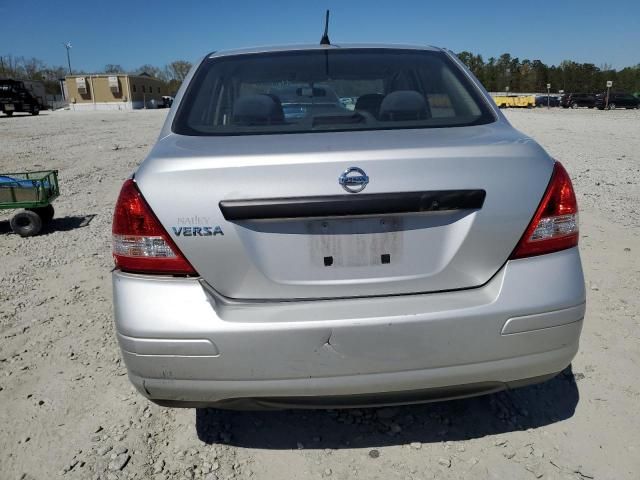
(26, 223)
(46, 213)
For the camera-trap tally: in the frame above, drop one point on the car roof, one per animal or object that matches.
(289, 48)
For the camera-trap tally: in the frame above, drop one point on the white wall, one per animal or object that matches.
(83, 107)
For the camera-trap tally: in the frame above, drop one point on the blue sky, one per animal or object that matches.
(132, 33)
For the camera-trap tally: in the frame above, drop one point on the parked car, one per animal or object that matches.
(16, 97)
(300, 100)
(415, 248)
(616, 100)
(550, 100)
(575, 100)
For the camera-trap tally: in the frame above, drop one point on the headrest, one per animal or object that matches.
(370, 102)
(404, 105)
(257, 110)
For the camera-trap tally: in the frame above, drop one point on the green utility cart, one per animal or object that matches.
(32, 192)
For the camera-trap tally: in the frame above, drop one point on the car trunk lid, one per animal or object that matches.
(266, 216)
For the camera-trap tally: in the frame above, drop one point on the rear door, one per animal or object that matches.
(628, 101)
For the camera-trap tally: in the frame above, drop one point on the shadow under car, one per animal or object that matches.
(511, 410)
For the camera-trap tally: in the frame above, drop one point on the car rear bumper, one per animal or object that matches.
(183, 343)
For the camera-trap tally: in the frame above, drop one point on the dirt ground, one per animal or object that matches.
(67, 409)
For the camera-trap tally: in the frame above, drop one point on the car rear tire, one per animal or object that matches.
(45, 213)
(26, 223)
(35, 110)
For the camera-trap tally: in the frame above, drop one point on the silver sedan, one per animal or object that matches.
(343, 226)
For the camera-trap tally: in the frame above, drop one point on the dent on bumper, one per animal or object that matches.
(524, 323)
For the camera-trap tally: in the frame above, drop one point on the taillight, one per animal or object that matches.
(140, 243)
(555, 224)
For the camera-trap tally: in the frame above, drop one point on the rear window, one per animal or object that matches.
(328, 90)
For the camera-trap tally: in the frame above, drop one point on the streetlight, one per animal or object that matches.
(68, 47)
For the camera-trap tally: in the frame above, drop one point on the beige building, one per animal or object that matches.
(113, 92)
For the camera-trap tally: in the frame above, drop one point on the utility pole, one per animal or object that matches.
(68, 47)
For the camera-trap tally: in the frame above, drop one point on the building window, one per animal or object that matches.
(158, 89)
(134, 89)
(144, 89)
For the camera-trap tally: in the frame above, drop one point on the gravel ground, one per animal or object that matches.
(68, 410)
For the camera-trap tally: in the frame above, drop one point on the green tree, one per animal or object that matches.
(491, 75)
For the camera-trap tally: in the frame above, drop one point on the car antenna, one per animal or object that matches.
(325, 38)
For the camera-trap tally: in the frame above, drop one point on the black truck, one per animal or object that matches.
(16, 97)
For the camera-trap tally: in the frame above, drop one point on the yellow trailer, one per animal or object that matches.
(518, 101)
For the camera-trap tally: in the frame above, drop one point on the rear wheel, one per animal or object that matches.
(35, 110)
(45, 213)
(26, 223)
(574, 105)
(8, 114)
